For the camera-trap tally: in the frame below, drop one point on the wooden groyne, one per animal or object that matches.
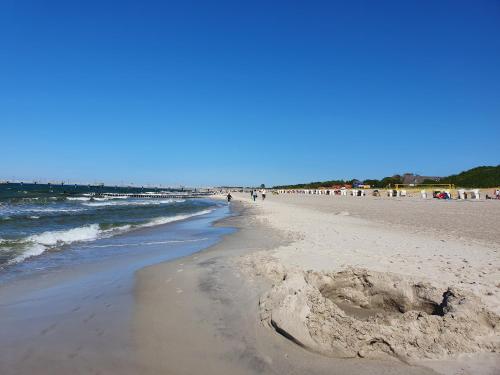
(154, 195)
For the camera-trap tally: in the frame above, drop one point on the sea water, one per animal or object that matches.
(43, 226)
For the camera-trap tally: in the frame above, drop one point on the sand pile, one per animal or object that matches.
(363, 313)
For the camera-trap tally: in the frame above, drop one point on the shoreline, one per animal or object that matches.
(208, 311)
(202, 313)
(77, 318)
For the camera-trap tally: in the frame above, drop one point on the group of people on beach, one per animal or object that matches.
(254, 194)
(496, 194)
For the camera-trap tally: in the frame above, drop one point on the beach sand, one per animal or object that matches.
(200, 314)
(265, 300)
(76, 318)
(245, 306)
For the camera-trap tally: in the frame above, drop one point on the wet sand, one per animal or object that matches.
(76, 319)
(201, 314)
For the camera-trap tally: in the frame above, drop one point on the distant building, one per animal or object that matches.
(356, 183)
(410, 178)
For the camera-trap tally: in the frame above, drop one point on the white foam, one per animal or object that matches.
(60, 209)
(51, 238)
(39, 243)
(34, 250)
(170, 219)
(133, 203)
(17, 211)
(87, 198)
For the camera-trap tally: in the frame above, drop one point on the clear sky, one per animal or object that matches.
(209, 92)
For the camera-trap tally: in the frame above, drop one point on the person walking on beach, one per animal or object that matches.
(263, 192)
(229, 197)
(254, 195)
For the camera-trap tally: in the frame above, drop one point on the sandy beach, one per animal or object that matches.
(250, 188)
(76, 317)
(315, 285)
(246, 305)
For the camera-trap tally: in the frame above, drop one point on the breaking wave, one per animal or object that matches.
(133, 203)
(37, 244)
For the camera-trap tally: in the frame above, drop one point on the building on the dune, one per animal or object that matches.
(410, 178)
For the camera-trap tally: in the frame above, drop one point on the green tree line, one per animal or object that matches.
(479, 177)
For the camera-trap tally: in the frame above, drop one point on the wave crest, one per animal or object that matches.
(132, 203)
(37, 244)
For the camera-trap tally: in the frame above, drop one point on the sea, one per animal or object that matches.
(44, 226)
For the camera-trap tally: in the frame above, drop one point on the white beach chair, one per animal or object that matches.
(476, 193)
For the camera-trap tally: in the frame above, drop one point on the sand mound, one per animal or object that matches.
(377, 315)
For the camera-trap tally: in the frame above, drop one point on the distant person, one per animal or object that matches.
(254, 195)
(229, 197)
(263, 194)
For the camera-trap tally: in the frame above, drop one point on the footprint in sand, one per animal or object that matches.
(99, 332)
(28, 354)
(48, 329)
(75, 353)
(88, 318)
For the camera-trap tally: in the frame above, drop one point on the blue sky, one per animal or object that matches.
(206, 93)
